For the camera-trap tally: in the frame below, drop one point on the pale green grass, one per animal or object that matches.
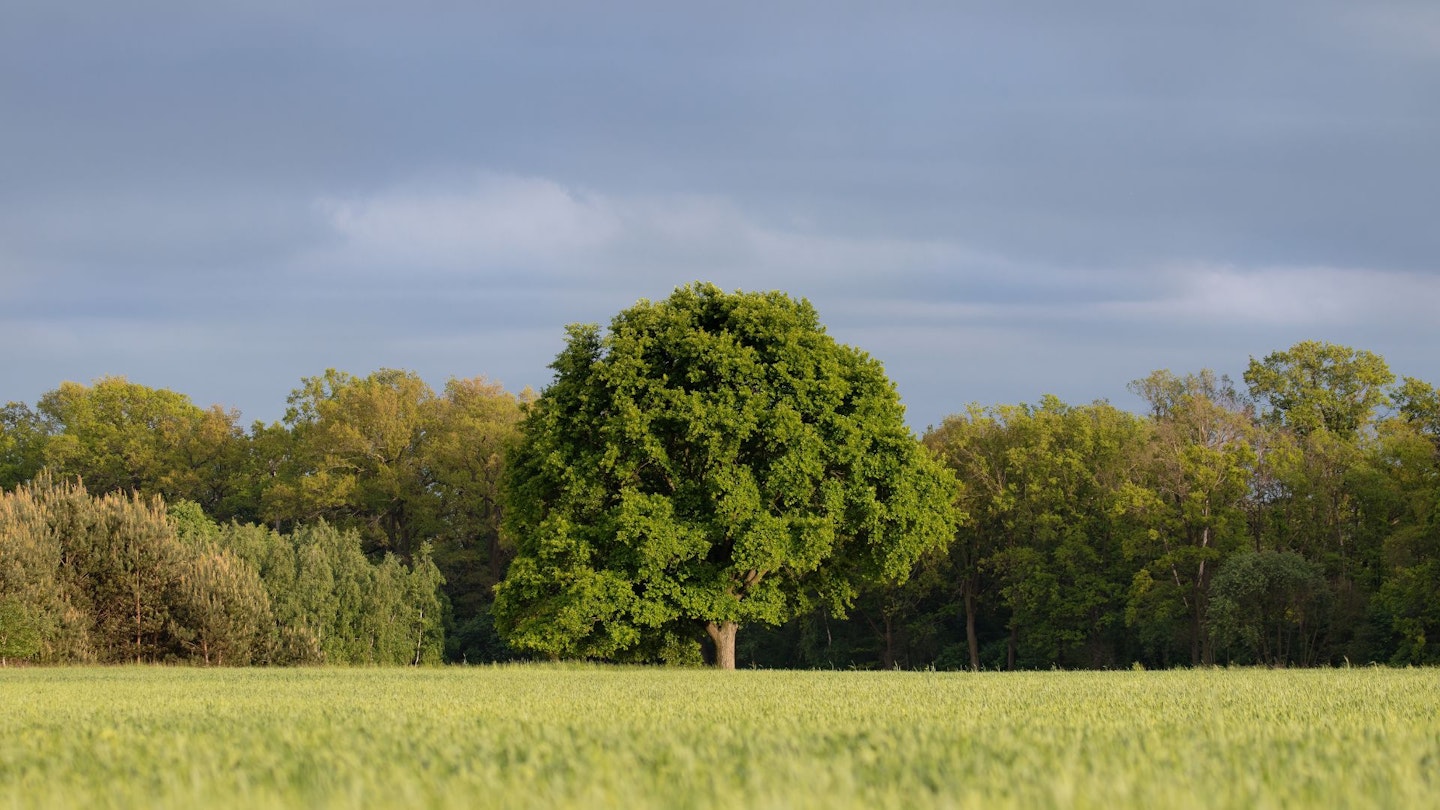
(592, 736)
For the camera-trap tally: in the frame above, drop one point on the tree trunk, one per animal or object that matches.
(1201, 651)
(1195, 640)
(493, 553)
(1010, 648)
(723, 634)
(970, 640)
(887, 660)
(139, 625)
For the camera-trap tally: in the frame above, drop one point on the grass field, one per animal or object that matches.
(527, 736)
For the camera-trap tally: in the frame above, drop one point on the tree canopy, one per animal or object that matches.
(1314, 385)
(714, 460)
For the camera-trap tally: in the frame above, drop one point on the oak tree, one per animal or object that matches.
(713, 460)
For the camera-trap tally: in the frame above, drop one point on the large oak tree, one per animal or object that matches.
(714, 460)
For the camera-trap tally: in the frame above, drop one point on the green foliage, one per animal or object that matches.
(1269, 607)
(121, 436)
(354, 456)
(1043, 544)
(19, 633)
(1313, 386)
(1404, 499)
(385, 457)
(118, 578)
(22, 444)
(714, 460)
(95, 575)
(1189, 499)
(222, 613)
(1408, 600)
(476, 425)
(332, 606)
(1418, 404)
(32, 575)
(719, 456)
(475, 640)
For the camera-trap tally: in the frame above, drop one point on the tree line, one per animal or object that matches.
(1291, 521)
(120, 578)
(373, 497)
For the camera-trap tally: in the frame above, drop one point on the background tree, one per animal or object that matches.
(1269, 607)
(96, 574)
(22, 444)
(386, 457)
(1323, 401)
(1043, 544)
(1403, 503)
(121, 436)
(1094, 537)
(976, 446)
(1191, 502)
(1314, 385)
(37, 522)
(476, 424)
(19, 633)
(1418, 405)
(714, 460)
(131, 565)
(221, 610)
(333, 606)
(356, 458)
(1062, 573)
(119, 577)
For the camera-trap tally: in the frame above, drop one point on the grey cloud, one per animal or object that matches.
(989, 197)
(162, 230)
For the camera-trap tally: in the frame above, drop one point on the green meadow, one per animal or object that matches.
(581, 736)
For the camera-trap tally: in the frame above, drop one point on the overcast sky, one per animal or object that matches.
(998, 200)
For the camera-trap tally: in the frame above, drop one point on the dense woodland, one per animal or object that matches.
(1291, 521)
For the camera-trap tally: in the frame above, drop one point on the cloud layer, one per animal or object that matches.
(996, 201)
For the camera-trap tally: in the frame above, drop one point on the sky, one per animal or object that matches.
(998, 200)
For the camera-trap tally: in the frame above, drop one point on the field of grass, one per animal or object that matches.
(538, 736)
